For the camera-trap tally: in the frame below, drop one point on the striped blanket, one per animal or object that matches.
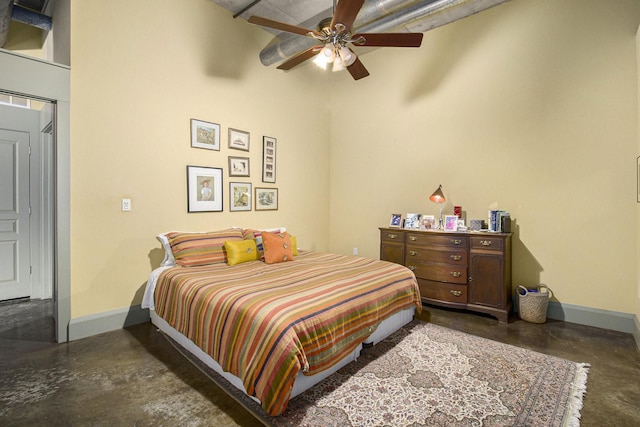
(266, 322)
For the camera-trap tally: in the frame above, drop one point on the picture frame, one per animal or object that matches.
(395, 221)
(266, 199)
(240, 196)
(428, 222)
(205, 135)
(451, 222)
(412, 221)
(204, 189)
(269, 151)
(238, 139)
(239, 166)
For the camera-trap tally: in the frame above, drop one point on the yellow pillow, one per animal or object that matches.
(277, 247)
(294, 245)
(241, 251)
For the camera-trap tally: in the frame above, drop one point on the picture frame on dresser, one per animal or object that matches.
(205, 135)
(451, 222)
(395, 221)
(428, 222)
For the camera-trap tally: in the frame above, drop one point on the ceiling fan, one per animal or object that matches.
(333, 36)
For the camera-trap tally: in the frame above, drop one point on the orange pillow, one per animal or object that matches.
(277, 247)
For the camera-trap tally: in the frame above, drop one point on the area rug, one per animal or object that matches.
(427, 375)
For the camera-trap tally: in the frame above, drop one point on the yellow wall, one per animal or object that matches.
(530, 107)
(139, 72)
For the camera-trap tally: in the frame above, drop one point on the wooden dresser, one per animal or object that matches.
(461, 270)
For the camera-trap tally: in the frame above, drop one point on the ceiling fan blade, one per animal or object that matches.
(357, 70)
(265, 22)
(300, 58)
(390, 39)
(346, 12)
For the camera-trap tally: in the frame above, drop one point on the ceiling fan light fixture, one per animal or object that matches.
(338, 65)
(328, 51)
(347, 56)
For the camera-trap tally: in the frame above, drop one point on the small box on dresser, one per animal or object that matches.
(460, 270)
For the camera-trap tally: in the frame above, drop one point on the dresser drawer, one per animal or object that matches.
(441, 255)
(487, 243)
(443, 291)
(391, 236)
(437, 240)
(439, 272)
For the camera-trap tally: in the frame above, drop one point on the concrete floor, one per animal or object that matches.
(134, 377)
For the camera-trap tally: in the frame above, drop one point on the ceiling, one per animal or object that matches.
(375, 16)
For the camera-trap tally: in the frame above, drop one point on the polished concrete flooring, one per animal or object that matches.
(134, 377)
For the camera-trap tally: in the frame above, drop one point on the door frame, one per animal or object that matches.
(39, 79)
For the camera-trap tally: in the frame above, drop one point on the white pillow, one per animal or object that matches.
(168, 260)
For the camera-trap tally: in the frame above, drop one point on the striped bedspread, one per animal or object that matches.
(264, 323)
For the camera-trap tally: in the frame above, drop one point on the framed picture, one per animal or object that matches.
(268, 159)
(451, 222)
(428, 222)
(240, 196)
(204, 189)
(238, 139)
(266, 199)
(205, 135)
(412, 221)
(395, 221)
(238, 166)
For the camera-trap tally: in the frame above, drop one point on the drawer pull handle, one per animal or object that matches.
(486, 242)
(413, 238)
(455, 274)
(456, 241)
(412, 268)
(456, 257)
(413, 253)
(455, 293)
(392, 236)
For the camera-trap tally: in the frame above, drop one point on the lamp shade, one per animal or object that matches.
(437, 196)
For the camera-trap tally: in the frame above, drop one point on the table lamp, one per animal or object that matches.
(438, 197)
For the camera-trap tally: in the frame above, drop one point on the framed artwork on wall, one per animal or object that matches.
(204, 189)
(238, 139)
(269, 159)
(238, 166)
(266, 199)
(205, 135)
(240, 196)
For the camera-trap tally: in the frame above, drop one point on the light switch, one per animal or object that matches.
(126, 205)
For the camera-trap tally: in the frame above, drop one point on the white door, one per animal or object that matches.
(17, 130)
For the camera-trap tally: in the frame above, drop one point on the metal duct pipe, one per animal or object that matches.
(418, 17)
(30, 17)
(6, 7)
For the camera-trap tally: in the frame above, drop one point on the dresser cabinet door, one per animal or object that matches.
(392, 246)
(486, 284)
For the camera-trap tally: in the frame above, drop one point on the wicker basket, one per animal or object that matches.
(532, 304)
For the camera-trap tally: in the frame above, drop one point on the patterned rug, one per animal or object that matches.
(427, 375)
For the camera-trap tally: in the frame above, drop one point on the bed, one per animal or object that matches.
(274, 328)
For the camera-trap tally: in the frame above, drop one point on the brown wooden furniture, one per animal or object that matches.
(471, 270)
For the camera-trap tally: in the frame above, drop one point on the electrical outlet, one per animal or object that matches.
(355, 251)
(126, 205)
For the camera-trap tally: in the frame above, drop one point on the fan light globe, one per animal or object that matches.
(348, 57)
(328, 52)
